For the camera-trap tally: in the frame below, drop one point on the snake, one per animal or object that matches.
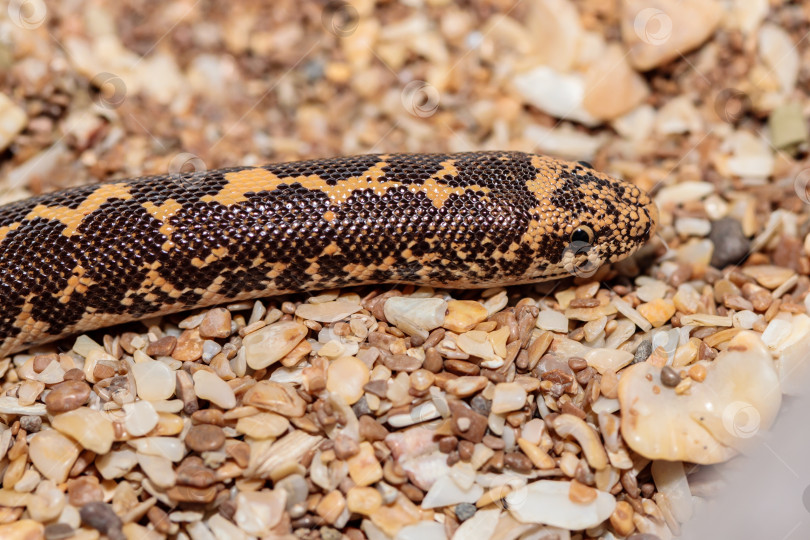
(93, 256)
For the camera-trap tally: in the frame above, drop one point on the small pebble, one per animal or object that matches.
(101, 517)
(161, 347)
(553, 321)
(465, 511)
(204, 438)
(331, 506)
(154, 380)
(263, 425)
(622, 518)
(276, 397)
(92, 429)
(84, 490)
(327, 312)
(346, 377)
(296, 488)
(210, 350)
(415, 316)
(271, 343)
(517, 462)
(698, 372)
(67, 396)
(466, 386)
(140, 418)
(670, 377)
(216, 324)
(191, 494)
(189, 346)
(209, 386)
(58, 531)
(643, 351)
(463, 315)
(769, 276)
(466, 423)
(31, 424)
(730, 244)
(371, 430)
(364, 468)
(363, 500)
(658, 312)
(481, 405)
(508, 397)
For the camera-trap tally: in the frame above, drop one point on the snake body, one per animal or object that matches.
(103, 254)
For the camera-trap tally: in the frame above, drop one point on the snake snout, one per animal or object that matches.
(652, 212)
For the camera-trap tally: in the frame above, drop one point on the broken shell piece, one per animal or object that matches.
(709, 424)
(415, 316)
(791, 356)
(670, 479)
(547, 502)
(603, 360)
(445, 492)
(568, 424)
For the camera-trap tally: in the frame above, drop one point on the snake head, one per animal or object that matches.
(586, 218)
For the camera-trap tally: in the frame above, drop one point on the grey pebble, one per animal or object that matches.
(465, 511)
(643, 352)
(361, 407)
(296, 487)
(102, 518)
(58, 531)
(328, 533)
(31, 424)
(730, 244)
(481, 405)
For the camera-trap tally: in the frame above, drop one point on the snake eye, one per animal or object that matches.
(583, 234)
(585, 164)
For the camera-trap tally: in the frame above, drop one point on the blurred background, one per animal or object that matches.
(659, 92)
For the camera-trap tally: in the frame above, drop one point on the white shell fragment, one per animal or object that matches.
(327, 312)
(270, 344)
(422, 530)
(670, 479)
(547, 502)
(445, 492)
(603, 360)
(739, 396)
(791, 363)
(479, 527)
(415, 316)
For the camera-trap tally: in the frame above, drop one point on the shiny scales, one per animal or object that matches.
(103, 254)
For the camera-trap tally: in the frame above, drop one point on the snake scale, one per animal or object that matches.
(103, 254)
